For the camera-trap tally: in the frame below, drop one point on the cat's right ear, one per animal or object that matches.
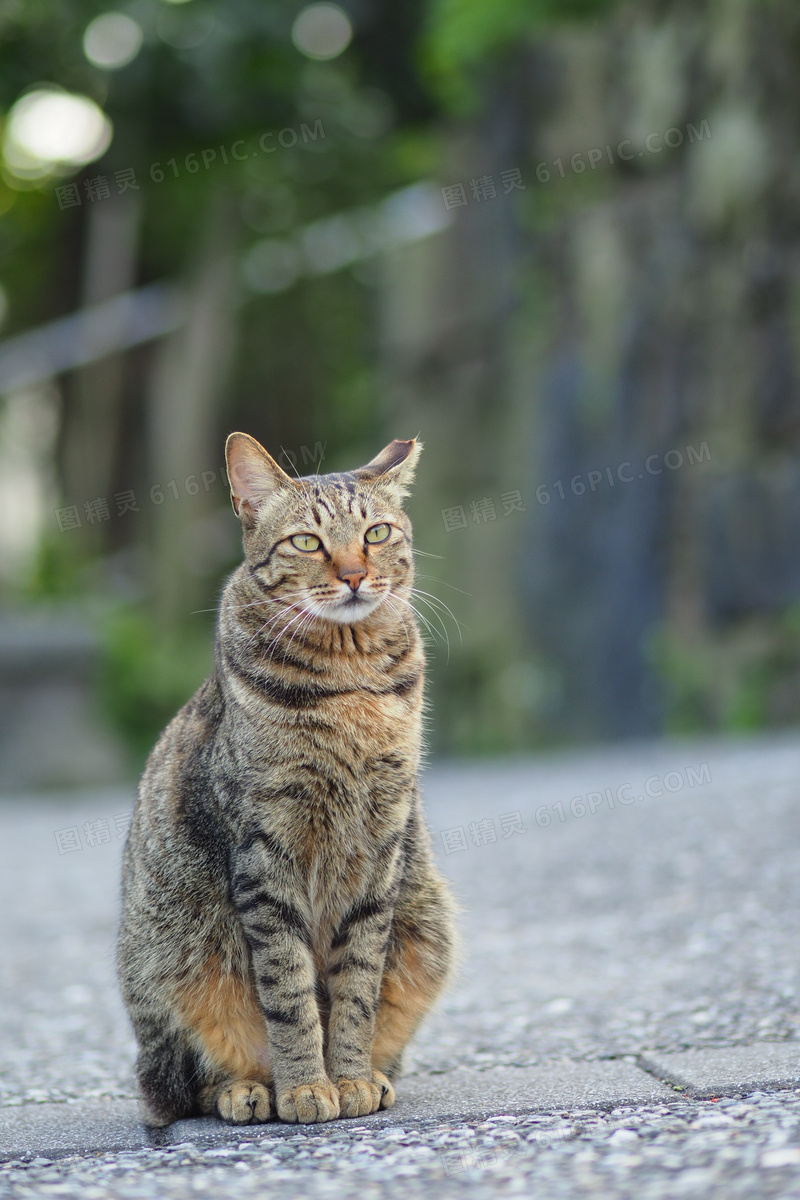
(253, 474)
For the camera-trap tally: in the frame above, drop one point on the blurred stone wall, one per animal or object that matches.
(52, 733)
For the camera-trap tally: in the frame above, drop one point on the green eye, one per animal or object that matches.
(305, 541)
(378, 533)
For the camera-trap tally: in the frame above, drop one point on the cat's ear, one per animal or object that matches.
(253, 474)
(393, 468)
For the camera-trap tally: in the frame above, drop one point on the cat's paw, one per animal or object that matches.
(309, 1103)
(245, 1102)
(358, 1097)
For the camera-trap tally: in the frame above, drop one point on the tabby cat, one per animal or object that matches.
(284, 929)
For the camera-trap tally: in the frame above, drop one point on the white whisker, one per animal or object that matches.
(388, 598)
(425, 622)
(438, 617)
(433, 601)
(436, 579)
(299, 616)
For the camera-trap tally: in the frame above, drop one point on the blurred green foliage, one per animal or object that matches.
(466, 40)
(147, 674)
(739, 679)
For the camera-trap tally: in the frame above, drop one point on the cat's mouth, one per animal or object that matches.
(347, 609)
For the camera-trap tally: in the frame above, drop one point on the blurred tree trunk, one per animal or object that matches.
(189, 373)
(449, 370)
(97, 392)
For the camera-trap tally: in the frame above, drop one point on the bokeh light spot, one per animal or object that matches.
(322, 31)
(48, 128)
(272, 265)
(184, 30)
(112, 40)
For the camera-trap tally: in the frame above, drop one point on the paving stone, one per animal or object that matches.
(55, 1130)
(469, 1093)
(735, 1070)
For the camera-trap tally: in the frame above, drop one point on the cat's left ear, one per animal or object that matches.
(253, 474)
(393, 468)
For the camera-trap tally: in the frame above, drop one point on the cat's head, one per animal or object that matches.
(338, 545)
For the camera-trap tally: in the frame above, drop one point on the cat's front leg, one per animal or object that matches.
(277, 932)
(358, 954)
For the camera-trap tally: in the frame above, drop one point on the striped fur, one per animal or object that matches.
(284, 928)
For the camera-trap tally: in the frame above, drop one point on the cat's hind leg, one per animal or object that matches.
(220, 1009)
(205, 1053)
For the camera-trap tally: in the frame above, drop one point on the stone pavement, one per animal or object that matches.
(630, 971)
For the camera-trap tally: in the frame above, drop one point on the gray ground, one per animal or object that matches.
(628, 934)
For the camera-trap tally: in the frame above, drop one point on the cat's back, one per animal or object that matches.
(187, 745)
(174, 811)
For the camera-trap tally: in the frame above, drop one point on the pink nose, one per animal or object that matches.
(352, 576)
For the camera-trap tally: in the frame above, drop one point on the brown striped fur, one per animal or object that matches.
(284, 928)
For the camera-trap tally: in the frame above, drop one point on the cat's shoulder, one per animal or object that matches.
(190, 732)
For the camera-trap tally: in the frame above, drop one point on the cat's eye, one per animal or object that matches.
(306, 542)
(378, 533)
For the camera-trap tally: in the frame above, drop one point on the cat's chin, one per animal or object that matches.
(349, 611)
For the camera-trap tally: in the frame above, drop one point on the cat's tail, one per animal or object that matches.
(171, 1073)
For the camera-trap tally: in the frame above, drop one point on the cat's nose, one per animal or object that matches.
(352, 576)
